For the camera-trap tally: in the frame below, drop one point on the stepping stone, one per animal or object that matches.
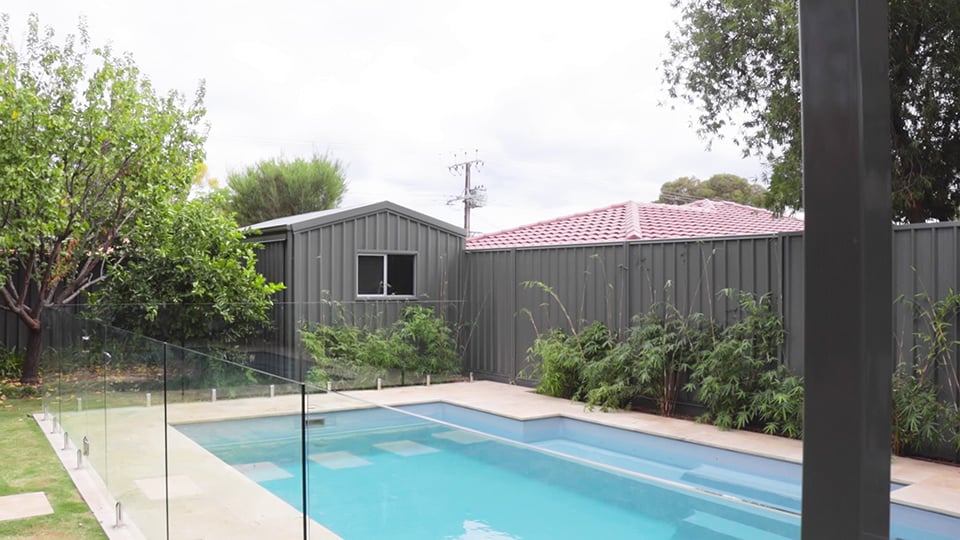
(406, 448)
(262, 471)
(461, 437)
(155, 488)
(24, 505)
(338, 460)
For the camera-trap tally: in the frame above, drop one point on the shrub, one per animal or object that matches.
(334, 349)
(424, 343)
(658, 351)
(612, 381)
(920, 418)
(952, 427)
(595, 342)
(916, 411)
(418, 342)
(558, 363)
(11, 363)
(778, 404)
(560, 360)
(729, 374)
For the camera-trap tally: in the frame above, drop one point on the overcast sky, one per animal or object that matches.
(561, 100)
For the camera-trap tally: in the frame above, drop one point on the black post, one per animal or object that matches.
(166, 444)
(848, 315)
(303, 460)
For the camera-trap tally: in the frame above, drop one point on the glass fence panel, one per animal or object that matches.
(51, 366)
(82, 394)
(134, 418)
(214, 482)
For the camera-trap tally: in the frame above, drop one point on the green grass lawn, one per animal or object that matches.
(27, 464)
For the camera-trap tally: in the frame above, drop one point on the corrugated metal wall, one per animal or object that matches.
(925, 266)
(324, 268)
(612, 283)
(511, 294)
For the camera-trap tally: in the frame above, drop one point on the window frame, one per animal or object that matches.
(384, 291)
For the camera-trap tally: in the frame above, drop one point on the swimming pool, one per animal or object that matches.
(381, 473)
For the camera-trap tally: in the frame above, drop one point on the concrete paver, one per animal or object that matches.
(24, 505)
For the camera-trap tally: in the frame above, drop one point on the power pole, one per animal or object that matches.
(472, 197)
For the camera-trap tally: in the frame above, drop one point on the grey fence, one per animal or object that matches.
(507, 300)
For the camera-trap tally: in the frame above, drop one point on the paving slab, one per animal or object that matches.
(24, 505)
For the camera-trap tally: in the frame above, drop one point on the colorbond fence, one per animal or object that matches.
(614, 282)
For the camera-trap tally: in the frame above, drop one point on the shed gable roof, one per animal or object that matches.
(312, 220)
(642, 221)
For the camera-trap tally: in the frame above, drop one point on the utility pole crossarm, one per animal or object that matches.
(471, 197)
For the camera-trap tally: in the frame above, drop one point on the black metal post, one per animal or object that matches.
(166, 444)
(303, 459)
(847, 243)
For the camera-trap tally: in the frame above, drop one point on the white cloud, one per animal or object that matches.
(560, 98)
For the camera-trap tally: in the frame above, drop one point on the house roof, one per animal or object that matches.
(311, 220)
(642, 221)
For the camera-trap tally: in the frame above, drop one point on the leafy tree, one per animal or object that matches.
(277, 188)
(719, 187)
(193, 276)
(738, 62)
(86, 144)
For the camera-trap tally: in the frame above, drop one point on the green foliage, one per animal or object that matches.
(951, 426)
(916, 411)
(86, 145)
(277, 188)
(558, 362)
(424, 343)
(920, 418)
(730, 373)
(778, 403)
(595, 342)
(934, 343)
(193, 277)
(660, 349)
(739, 63)
(612, 382)
(11, 363)
(419, 342)
(719, 187)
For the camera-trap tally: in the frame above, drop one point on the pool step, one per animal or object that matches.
(777, 493)
(609, 457)
(706, 526)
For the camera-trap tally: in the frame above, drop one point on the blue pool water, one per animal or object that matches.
(380, 473)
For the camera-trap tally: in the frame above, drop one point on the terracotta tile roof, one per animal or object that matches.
(642, 221)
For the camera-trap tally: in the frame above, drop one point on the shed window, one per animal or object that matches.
(382, 275)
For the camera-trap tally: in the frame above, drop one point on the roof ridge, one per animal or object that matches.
(632, 229)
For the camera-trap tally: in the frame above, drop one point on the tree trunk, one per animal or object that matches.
(31, 360)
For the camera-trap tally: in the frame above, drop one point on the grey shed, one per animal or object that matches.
(360, 265)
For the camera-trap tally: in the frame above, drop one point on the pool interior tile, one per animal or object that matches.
(179, 485)
(262, 471)
(461, 437)
(338, 460)
(406, 448)
(24, 505)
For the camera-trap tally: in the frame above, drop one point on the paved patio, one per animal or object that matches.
(210, 499)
